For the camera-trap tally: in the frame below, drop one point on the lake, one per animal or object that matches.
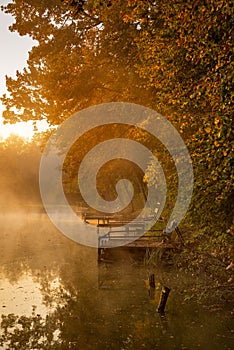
(55, 295)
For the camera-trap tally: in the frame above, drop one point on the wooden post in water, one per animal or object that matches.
(163, 299)
(99, 254)
(152, 281)
(151, 286)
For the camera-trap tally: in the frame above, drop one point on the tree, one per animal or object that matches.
(76, 63)
(185, 55)
(173, 56)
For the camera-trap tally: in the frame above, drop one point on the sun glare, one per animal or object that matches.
(19, 129)
(22, 129)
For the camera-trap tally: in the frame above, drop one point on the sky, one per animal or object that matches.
(14, 54)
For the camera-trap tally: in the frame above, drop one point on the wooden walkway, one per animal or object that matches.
(142, 244)
(122, 233)
(160, 241)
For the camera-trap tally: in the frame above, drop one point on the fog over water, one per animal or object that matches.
(55, 295)
(71, 301)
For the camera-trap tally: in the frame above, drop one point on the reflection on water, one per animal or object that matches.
(22, 297)
(54, 295)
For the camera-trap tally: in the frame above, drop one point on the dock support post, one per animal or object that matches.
(151, 286)
(99, 254)
(99, 248)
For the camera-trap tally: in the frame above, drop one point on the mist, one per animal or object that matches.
(19, 169)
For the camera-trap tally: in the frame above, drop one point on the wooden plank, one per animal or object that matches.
(138, 242)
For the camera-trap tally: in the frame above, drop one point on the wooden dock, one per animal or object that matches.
(130, 234)
(140, 245)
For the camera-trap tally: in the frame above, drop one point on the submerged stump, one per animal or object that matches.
(163, 299)
(151, 286)
(152, 281)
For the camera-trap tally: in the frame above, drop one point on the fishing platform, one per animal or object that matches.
(136, 233)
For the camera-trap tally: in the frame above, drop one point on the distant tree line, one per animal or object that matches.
(19, 176)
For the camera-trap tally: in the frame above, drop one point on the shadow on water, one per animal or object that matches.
(54, 295)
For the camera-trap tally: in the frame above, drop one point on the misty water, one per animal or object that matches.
(55, 295)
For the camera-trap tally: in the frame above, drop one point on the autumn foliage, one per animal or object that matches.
(173, 56)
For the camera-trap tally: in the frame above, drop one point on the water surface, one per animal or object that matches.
(55, 295)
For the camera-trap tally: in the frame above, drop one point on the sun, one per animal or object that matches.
(23, 129)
